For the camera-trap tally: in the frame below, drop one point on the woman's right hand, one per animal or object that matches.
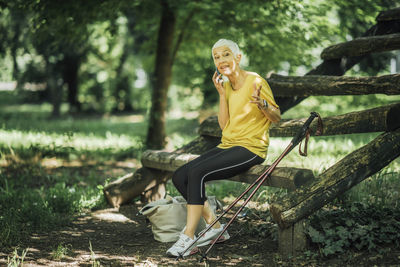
(219, 83)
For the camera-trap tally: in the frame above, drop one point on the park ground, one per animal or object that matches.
(53, 212)
(121, 237)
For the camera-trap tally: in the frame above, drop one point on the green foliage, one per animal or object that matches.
(114, 44)
(31, 200)
(355, 226)
(381, 190)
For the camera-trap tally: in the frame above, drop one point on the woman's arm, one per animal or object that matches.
(223, 113)
(270, 111)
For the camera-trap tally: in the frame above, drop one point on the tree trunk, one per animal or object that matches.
(312, 85)
(162, 77)
(14, 47)
(339, 178)
(71, 64)
(54, 89)
(385, 118)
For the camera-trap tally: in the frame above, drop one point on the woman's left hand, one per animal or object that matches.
(256, 96)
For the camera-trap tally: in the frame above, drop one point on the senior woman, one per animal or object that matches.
(246, 110)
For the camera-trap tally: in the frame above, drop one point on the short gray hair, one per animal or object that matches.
(230, 44)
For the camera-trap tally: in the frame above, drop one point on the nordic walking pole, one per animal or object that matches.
(224, 212)
(295, 141)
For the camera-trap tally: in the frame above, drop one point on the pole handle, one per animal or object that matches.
(304, 129)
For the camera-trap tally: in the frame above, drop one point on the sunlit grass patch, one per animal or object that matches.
(71, 145)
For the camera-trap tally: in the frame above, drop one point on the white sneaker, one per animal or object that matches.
(211, 235)
(183, 242)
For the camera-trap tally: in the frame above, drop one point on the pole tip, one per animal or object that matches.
(179, 257)
(203, 258)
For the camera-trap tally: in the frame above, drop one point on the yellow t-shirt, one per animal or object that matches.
(247, 125)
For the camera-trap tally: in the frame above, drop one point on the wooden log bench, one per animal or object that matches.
(158, 166)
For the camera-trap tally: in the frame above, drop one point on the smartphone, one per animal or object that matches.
(220, 79)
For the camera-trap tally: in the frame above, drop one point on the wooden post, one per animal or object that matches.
(292, 240)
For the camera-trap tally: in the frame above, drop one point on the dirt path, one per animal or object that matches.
(123, 238)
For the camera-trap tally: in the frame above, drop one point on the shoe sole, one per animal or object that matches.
(193, 251)
(222, 239)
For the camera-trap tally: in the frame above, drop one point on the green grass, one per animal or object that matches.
(36, 197)
(61, 251)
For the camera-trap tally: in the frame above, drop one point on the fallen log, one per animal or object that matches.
(282, 177)
(314, 85)
(362, 46)
(339, 178)
(379, 119)
(150, 183)
(199, 145)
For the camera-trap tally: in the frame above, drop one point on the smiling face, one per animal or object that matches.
(225, 60)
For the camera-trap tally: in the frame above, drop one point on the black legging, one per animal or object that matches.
(216, 164)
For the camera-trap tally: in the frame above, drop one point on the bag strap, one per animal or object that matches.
(152, 206)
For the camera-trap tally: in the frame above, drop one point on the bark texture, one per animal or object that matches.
(362, 46)
(132, 185)
(162, 78)
(313, 85)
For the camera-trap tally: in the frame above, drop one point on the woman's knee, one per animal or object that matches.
(195, 175)
(179, 178)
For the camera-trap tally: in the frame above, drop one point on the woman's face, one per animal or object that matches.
(225, 60)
